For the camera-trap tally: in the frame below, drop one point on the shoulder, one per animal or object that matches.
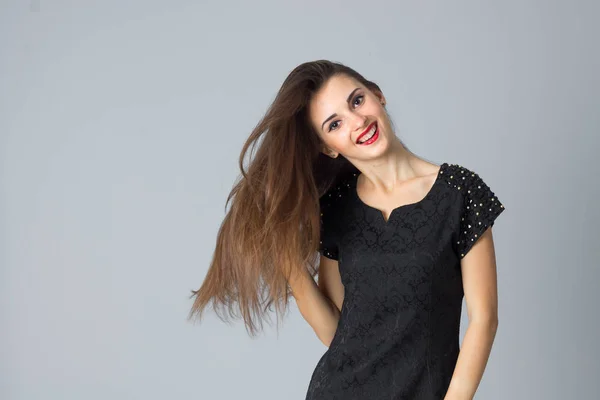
(459, 176)
(338, 194)
(332, 204)
(477, 206)
(472, 190)
(466, 181)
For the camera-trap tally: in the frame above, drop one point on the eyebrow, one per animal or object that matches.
(335, 115)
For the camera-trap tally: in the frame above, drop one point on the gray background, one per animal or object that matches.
(121, 124)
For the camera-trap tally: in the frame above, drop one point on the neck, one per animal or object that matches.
(394, 167)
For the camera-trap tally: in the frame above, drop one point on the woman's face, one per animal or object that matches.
(345, 114)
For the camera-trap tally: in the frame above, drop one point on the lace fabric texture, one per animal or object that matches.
(398, 333)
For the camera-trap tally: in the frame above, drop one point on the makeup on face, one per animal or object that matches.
(369, 136)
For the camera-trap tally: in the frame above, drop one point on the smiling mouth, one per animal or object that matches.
(368, 134)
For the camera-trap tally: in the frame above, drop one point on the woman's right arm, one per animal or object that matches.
(320, 304)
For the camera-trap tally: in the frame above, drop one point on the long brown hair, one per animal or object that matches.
(271, 230)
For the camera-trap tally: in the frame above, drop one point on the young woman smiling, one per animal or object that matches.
(396, 242)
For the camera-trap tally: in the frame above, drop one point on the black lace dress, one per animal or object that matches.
(398, 333)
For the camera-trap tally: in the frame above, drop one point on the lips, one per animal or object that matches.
(365, 132)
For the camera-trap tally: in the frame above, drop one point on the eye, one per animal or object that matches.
(361, 97)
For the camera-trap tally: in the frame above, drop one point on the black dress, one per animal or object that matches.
(398, 333)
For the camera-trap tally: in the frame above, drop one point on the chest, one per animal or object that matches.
(416, 241)
(386, 203)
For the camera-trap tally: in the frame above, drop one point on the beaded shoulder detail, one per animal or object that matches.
(479, 205)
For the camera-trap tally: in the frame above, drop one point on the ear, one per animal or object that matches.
(328, 152)
(380, 96)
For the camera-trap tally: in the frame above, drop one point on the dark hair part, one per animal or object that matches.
(272, 228)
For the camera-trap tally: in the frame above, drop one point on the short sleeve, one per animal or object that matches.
(328, 241)
(479, 209)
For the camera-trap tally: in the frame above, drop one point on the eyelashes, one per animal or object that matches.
(360, 96)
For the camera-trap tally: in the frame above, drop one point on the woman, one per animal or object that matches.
(401, 240)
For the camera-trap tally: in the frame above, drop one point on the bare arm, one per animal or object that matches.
(479, 281)
(330, 281)
(320, 304)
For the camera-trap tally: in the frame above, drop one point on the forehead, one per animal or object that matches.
(332, 94)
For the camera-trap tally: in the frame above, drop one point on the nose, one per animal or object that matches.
(360, 122)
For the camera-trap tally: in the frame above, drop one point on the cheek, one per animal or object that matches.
(343, 142)
(334, 142)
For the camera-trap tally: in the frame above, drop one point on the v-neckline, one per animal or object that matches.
(400, 207)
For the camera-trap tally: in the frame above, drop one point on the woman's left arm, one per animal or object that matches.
(478, 268)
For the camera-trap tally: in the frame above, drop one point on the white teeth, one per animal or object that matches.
(369, 136)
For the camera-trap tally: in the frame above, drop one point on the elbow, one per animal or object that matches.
(490, 323)
(326, 339)
(327, 332)
(487, 320)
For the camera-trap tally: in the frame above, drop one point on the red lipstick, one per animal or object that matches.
(375, 135)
